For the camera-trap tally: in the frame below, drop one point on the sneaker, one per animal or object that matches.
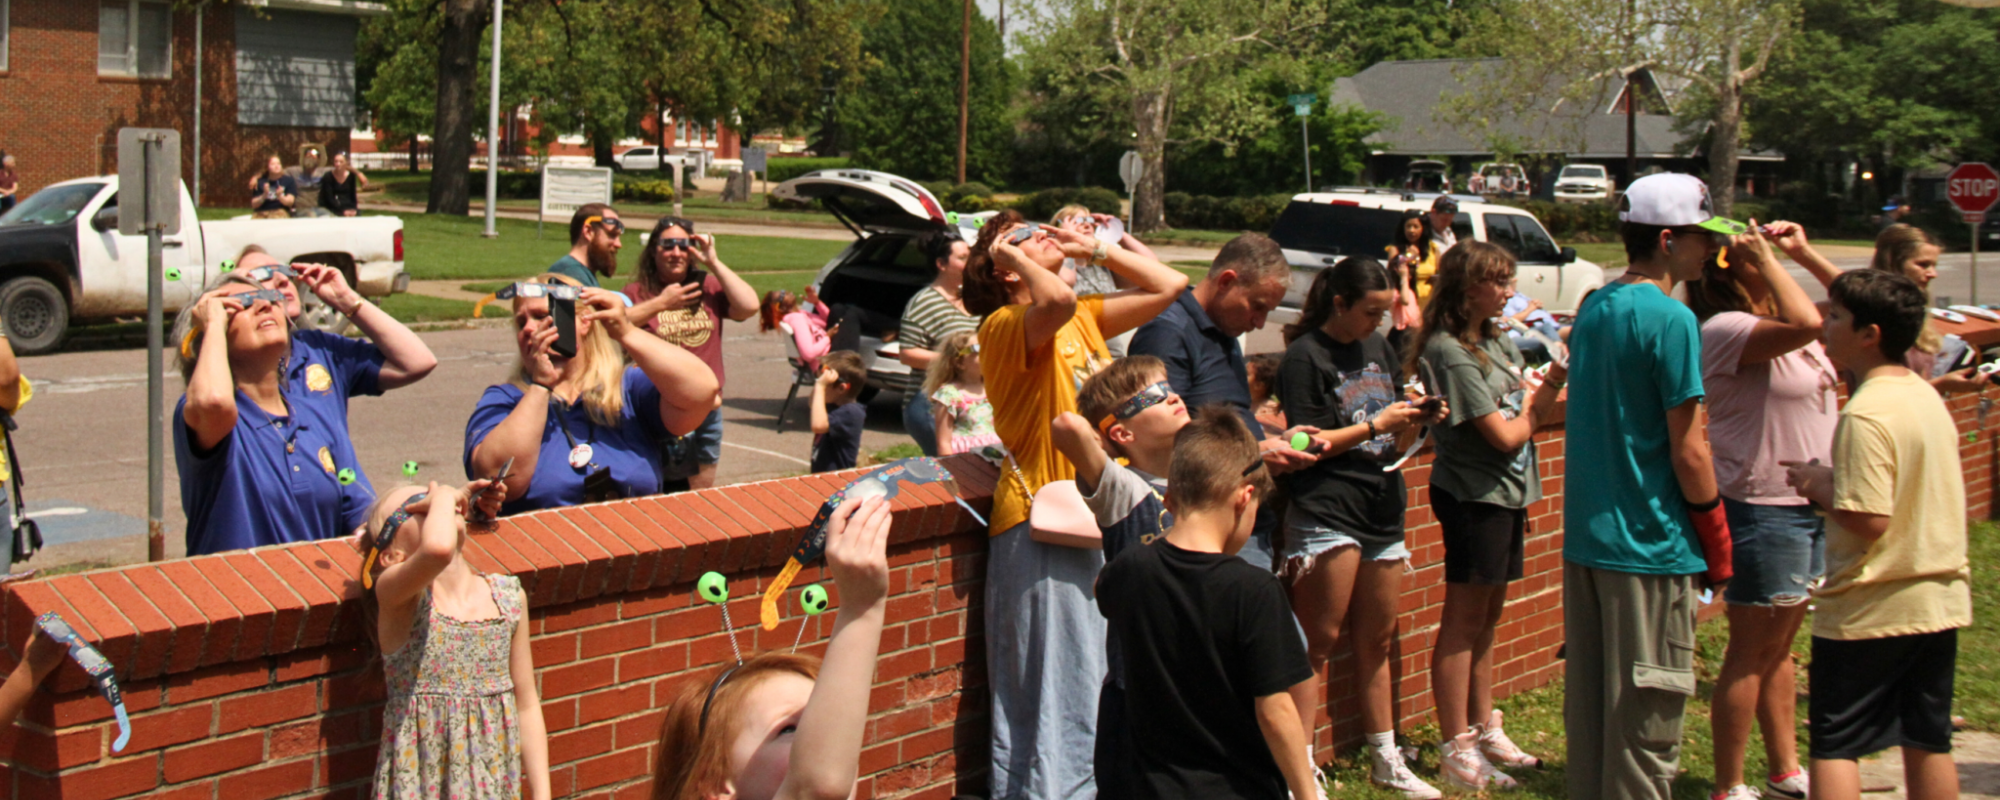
(1466, 769)
(1791, 784)
(1737, 792)
(1389, 771)
(1499, 749)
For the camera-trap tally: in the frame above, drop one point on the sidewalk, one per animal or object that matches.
(1977, 755)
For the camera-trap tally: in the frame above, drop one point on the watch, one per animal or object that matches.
(94, 665)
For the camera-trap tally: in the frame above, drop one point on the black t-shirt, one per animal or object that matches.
(1204, 635)
(1331, 385)
(268, 190)
(840, 446)
(338, 196)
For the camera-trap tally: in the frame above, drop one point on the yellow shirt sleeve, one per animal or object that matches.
(1864, 467)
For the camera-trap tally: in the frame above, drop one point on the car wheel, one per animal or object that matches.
(315, 314)
(37, 315)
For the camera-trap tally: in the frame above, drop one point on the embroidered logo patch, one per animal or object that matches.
(318, 379)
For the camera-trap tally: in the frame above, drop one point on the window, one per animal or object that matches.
(134, 39)
(1522, 236)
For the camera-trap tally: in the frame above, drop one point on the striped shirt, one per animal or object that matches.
(928, 320)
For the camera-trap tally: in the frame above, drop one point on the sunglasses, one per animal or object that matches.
(530, 291)
(1146, 398)
(271, 296)
(384, 537)
(615, 226)
(1025, 233)
(675, 243)
(263, 274)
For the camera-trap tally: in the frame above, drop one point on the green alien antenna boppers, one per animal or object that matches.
(345, 476)
(813, 600)
(715, 589)
(409, 468)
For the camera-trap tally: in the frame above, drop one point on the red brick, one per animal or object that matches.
(541, 576)
(257, 611)
(481, 559)
(312, 664)
(620, 766)
(265, 708)
(172, 727)
(117, 779)
(770, 535)
(639, 731)
(565, 530)
(665, 563)
(580, 744)
(615, 702)
(579, 615)
(289, 611)
(215, 757)
(626, 546)
(274, 781)
(114, 636)
(354, 763)
(190, 625)
(617, 638)
(689, 522)
(155, 633)
(511, 563)
(551, 649)
(354, 689)
(83, 705)
(225, 622)
(578, 678)
(316, 735)
(652, 662)
(321, 602)
(217, 681)
(556, 562)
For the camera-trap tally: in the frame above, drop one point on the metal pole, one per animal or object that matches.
(964, 84)
(1305, 148)
(1975, 263)
(199, 13)
(493, 132)
(156, 415)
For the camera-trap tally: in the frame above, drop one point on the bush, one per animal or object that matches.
(643, 191)
(1205, 212)
(775, 203)
(1044, 204)
(1573, 221)
(784, 169)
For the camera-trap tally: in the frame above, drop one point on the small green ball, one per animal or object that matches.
(1301, 441)
(227, 265)
(409, 468)
(713, 587)
(813, 599)
(345, 476)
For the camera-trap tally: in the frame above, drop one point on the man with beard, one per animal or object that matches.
(595, 234)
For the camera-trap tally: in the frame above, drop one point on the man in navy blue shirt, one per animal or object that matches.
(1196, 338)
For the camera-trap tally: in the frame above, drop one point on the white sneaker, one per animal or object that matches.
(1500, 750)
(1795, 785)
(1737, 792)
(1389, 771)
(1465, 768)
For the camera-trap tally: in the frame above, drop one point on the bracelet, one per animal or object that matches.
(1100, 253)
(1372, 432)
(550, 389)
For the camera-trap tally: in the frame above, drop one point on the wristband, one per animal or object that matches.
(94, 665)
(1711, 531)
(1100, 253)
(1372, 432)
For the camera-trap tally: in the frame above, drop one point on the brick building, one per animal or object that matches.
(276, 76)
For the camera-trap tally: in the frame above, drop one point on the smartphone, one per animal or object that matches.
(563, 310)
(695, 277)
(1432, 399)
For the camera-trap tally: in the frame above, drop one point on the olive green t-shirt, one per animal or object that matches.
(1467, 465)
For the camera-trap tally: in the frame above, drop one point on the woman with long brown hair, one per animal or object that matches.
(1045, 637)
(1482, 481)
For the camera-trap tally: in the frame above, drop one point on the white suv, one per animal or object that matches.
(1584, 183)
(1319, 229)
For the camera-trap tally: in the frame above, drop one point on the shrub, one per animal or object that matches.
(1205, 212)
(1044, 204)
(776, 203)
(784, 169)
(1573, 221)
(643, 191)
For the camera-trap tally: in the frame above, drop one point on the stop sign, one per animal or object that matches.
(1973, 187)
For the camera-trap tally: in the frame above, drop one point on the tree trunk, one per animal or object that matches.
(1728, 129)
(451, 140)
(1149, 116)
(600, 148)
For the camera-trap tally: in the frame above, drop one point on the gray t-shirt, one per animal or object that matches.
(1467, 465)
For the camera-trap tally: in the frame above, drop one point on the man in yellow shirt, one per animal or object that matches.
(1885, 632)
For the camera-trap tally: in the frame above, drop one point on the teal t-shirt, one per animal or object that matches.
(570, 267)
(1634, 354)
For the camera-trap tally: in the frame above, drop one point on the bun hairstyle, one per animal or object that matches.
(1348, 281)
(984, 292)
(693, 759)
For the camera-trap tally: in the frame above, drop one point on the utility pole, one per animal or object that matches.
(964, 84)
(493, 133)
(1631, 101)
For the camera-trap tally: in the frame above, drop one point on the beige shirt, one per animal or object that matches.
(1896, 454)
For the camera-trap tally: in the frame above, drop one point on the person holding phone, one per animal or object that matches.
(596, 234)
(583, 427)
(683, 294)
(257, 464)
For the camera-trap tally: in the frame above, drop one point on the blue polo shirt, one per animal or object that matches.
(273, 479)
(1204, 365)
(630, 449)
(325, 370)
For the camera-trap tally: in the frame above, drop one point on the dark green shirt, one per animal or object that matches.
(569, 267)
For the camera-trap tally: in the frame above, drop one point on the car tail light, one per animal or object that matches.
(399, 244)
(1342, 203)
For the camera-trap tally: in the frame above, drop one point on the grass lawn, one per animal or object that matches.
(1609, 255)
(399, 186)
(437, 247)
(1534, 719)
(424, 308)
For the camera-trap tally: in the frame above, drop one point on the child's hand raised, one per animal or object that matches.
(857, 552)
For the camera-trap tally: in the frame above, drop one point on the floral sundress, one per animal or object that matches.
(450, 729)
(971, 418)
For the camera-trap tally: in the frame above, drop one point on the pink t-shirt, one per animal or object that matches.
(698, 327)
(1784, 409)
(809, 333)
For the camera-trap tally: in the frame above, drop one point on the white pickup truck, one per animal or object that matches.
(63, 261)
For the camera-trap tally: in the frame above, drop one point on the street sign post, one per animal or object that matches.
(1130, 169)
(1302, 106)
(565, 189)
(149, 181)
(1973, 187)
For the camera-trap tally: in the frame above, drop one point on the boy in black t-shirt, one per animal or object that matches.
(1127, 409)
(836, 418)
(1208, 638)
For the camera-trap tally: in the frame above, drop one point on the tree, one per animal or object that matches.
(1270, 161)
(1568, 51)
(1170, 72)
(903, 118)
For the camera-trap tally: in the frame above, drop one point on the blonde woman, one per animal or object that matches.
(584, 428)
(1088, 278)
(1900, 249)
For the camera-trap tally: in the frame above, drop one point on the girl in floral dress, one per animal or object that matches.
(463, 719)
(958, 394)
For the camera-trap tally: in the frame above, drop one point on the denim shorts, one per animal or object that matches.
(1306, 538)
(708, 439)
(1779, 553)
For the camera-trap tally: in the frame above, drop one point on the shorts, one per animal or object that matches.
(1305, 539)
(1779, 551)
(707, 439)
(1483, 542)
(1869, 695)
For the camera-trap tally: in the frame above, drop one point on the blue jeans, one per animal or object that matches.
(918, 421)
(1045, 663)
(1777, 553)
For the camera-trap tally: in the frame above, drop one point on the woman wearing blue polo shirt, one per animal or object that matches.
(585, 428)
(257, 466)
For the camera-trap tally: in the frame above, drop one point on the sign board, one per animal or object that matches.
(149, 180)
(1973, 187)
(754, 159)
(1302, 99)
(566, 189)
(1305, 110)
(1131, 168)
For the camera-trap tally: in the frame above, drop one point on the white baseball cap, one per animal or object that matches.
(1673, 200)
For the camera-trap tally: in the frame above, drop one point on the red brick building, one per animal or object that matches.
(276, 76)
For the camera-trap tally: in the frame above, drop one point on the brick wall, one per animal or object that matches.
(62, 118)
(247, 675)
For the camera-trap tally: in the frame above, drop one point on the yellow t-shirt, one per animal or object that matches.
(1421, 281)
(27, 393)
(1896, 454)
(1028, 389)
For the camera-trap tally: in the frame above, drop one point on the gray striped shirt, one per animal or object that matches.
(927, 320)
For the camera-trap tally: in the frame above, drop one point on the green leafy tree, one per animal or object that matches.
(1169, 72)
(1272, 160)
(903, 118)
